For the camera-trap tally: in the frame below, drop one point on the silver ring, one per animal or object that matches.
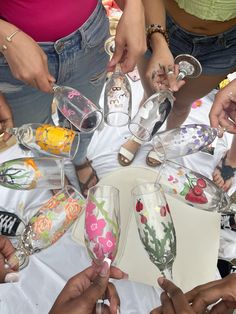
(170, 72)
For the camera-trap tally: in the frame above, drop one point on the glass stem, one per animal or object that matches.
(167, 273)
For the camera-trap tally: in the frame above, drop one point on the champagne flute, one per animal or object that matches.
(47, 139)
(32, 173)
(77, 109)
(184, 140)
(155, 226)
(192, 188)
(48, 224)
(154, 111)
(117, 94)
(102, 226)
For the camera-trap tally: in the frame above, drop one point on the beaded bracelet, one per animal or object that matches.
(155, 28)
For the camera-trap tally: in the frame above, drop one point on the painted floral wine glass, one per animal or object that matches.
(184, 140)
(77, 109)
(32, 173)
(49, 223)
(192, 188)
(117, 94)
(154, 111)
(47, 139)
(155, 226)
(102, 222)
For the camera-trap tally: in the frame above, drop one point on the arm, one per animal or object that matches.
(130, 39)
(223, 110)
(161, 60)
(25, 58)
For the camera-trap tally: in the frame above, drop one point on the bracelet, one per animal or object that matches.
(156, 28)
(9, 39)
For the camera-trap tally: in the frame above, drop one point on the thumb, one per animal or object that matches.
(99, 285)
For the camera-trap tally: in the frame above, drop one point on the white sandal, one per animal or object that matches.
(152, 160)
(126, 157)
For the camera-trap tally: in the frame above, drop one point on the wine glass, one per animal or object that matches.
(48, 224)
(102, 222)
(117, 94)
(184, 140)
(77, 109)
(155, 226)
(32, 172)
(192, 188)
(117, 99)
(154, 111)
(102, 226)
(47, 139)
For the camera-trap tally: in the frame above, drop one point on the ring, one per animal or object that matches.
(170, 72)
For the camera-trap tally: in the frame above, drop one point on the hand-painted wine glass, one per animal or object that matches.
(117, 94)
(184, 140)
(77, 109)
(49, 223)
(153, 113)
(47, 139)
(192, 188)
(155, 226)
(102, 222)
(32, 173)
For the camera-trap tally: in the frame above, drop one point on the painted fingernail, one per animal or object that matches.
(105, 267)
(12, 277)
(13, 261)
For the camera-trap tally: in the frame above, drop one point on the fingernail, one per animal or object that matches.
(13, 261)
(105, 267)
(12, 277)
(118, 309)
(160, 280)
(6, 266)
(125, 275)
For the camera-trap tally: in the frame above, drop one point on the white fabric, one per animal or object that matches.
(48, 271)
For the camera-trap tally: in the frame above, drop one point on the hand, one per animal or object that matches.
(80, 294)
(7, 273)
(27, 60)
(6, 119)
(223, 110)
(161, 72)
(173, 300)
(130, 39)
(223, 290)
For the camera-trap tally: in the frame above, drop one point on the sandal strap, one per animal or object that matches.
(135, 139)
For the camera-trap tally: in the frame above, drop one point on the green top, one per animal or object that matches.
(214, 10)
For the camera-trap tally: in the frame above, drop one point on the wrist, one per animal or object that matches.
(157, 40)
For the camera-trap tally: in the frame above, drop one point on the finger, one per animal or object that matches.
(192, 293)
(117, 273)
(118, 54)
(178, 299)
(113, 297)
(223, 307)
(157, 310)
(167, 305)
(170, 71)
(98, 287)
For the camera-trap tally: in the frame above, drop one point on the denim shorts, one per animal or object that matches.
(77, 60)
(217, 54)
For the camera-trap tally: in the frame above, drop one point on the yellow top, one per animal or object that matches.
(214, 10)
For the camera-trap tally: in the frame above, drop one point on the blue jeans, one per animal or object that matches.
(77, 60)
(217, 53)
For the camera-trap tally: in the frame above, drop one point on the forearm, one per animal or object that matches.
(155, 14)
(6, 29)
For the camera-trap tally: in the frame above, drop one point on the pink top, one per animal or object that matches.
(47, 20)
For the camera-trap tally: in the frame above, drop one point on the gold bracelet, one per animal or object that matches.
(9, 39)
(156, 28)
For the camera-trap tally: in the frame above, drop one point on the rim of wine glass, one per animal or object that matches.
(106, 120)
(105, 186)
(146, 139)
(99, 114)
(70, 186)
(156, 187)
